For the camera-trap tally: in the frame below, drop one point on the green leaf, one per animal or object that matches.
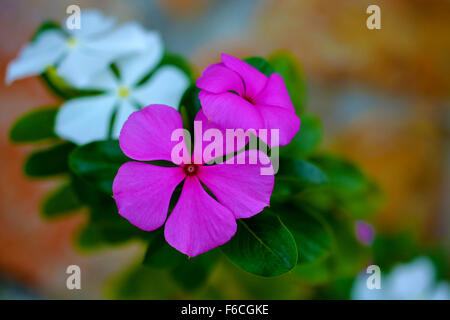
(50, 161)
(289, 68)
(194, 272)
(261, 64)
(348, 188)
(312, 235)
(301, 172)
(189, 107)
(180, 62)
(61, 88)
(307, 139)
(34, 126)
(61, 202)
(262, 246)
(98, 163)
(46, 25)
(160, 254)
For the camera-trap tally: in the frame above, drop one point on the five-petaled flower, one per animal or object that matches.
(199, 222)
(86, 119)
(79, 53)
(236, 95)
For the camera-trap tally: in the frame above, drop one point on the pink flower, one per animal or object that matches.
(198, 222)
(236, 95)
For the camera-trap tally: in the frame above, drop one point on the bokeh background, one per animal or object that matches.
(383, 96)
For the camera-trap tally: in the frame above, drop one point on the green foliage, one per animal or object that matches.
(262, 246)
(34, 126)
(194, 272)
(287, 65)
(160, 254)
(60, 202)
(50, 161)
(311, 233)
(348, 187)
(307, 139)
(261, 64)
(98, 163)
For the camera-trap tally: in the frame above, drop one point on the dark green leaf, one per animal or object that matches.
(61, 202)
(48, 162)
(307, 139)
(160, 254)
(312, 235)
(261, 64)
(189, 107)
(98, 163)
(348, 188)
(34, 126)
(194, 272)
(289, 68)
(46, 25)
(263, 246)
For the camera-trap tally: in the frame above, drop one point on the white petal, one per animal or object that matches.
(86, 119)
(127, 39)
(92, 22)
(166, 86)
(79, 67)
(123, 112)
(399, 284)
(104, 80)
(134, 67)
(36, 56)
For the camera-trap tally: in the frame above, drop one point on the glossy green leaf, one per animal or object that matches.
(160, 254)
(312, 235)
(307, 139)
(50, 161)
(262, 246)
(36, 125)
(61, 202)
(261, 64)
(98, 163)
(287, 65)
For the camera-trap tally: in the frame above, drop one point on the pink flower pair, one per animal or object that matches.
(199, 221)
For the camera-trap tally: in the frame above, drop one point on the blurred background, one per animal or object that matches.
(383, 96)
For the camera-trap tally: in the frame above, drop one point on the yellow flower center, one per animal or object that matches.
(72, 42)
(123, 92)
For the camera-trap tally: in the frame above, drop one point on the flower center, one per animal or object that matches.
(123, 92)
(190, 169)
(72, 42)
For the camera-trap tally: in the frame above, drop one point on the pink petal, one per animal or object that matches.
(142, 193)
(146, 135)
(287, 122)
(254, 80)
(275, 93)
(217, 78)
(239, 187)
(204, 140)
(198, 223)
(230, 111)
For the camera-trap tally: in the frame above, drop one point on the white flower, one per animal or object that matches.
(415, 280)
(79, 53)
(86, 119)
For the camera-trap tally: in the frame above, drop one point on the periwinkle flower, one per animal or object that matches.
(78, 53)
(199, 222)
(236, 95)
